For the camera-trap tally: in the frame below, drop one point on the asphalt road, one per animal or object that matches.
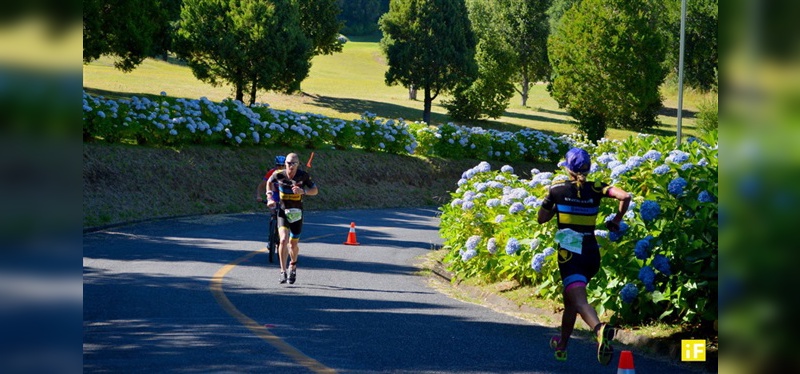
(198, 295)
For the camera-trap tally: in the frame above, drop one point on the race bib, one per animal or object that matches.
(570, 240)
(293, 214)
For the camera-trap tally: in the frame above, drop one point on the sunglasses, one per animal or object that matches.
(291, 163)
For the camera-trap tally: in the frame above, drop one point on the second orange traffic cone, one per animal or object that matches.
(626, 363)
(351, 236)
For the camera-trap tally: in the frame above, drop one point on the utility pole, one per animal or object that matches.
(680, 72)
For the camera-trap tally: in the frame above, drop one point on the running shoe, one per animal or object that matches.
(560, 354)
(283, 277)
(605, 352)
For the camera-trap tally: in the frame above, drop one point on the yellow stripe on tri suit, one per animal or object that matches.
(291, 197)
(575, 219)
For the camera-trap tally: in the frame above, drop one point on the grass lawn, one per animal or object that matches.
(346, 84)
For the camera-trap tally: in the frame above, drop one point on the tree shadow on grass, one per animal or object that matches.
(533, 117)
(673, 112)
(384, 110)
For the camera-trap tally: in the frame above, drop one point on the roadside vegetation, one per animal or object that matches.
(172, 136)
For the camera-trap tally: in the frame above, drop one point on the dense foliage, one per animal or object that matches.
(662, 266)
(607, 58)
(175, 122)
(250, 44)
(131, 30)
(429, 45)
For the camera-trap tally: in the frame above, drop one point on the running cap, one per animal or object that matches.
(578, 160)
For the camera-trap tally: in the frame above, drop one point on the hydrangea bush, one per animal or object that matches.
(170, 121)
(662, 265)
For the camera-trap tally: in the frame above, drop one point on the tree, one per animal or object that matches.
(123, 28)
(360, 17)
(169, 12)
(318, 19)
(429, 44)
(255, 44)
(490, 93)
(700, 58)
(525, 27)
(557, 10)
(607, 65)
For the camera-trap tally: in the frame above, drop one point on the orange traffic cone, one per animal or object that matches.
(351, 237)
(626, 363)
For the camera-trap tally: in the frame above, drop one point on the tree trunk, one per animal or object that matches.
(525, 87)
(239, 92)
(412, 92)
(253, 90)
(426, 113)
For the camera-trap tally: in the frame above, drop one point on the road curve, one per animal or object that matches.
(197, 294)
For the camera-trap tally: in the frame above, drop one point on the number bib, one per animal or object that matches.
(293, 214)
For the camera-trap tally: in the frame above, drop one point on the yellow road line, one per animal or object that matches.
(260, 331)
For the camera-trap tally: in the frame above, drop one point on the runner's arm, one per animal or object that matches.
(261, 190)
(624, 201)
(546, 212)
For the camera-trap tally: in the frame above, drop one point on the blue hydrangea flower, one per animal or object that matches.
(456, 202)
(629, 293)
(472, 242)
(661, 263)
(507, 169)
(616, 236)
(530, 201)
(635, 161)
(491, 245)
(499, 218)
(702, 162)
(469, 195)
(462, 181)
(676, 186)
(677, 157)
(516, 208)
(652, 155)
(613, 164)
(534, 243)
(687, 166)
(468, 254)
(512, 246)
(660, 170)
(467, 205)
(605, 158)
(705, 197)
(620, 170)
(642, 250)
(480, 187)
(534, 171)
(495, 184)
(601, 233)
(647, 276)
(649, 210)
(537, 262)
(549, 251)
(491, 203)
(483, 167)
(518, 193)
